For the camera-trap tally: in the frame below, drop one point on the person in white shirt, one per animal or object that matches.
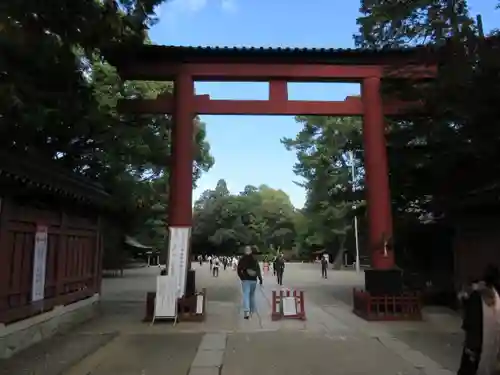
(215, 267)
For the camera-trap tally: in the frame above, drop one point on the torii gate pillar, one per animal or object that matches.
(377, 176)
(180, 217)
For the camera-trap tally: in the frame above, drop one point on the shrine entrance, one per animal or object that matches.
(185, 65)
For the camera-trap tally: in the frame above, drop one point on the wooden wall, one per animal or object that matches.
(73, 268)
(476, 245)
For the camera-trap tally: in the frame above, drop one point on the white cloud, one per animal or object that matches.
(229, 6)
(157, 10)
(195, 6)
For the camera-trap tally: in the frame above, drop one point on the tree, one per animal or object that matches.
(433, 157)
(59, 97)
(436, 160)
(321, 147)
(262, 217)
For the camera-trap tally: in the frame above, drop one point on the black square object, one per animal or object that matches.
(191, 283)
(384, 282)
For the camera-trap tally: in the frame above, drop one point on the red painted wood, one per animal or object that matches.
(181, 166)
(376, 169)
(278, 91)
(184, 105)
(352, 106)
(406, 306)
(268, 107)
(263, 72)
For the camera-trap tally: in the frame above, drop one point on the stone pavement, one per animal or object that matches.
(332, 340)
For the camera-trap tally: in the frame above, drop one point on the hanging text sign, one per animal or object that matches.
(178, 251)
(39, 263)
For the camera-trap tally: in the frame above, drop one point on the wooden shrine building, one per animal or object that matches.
(50, 250)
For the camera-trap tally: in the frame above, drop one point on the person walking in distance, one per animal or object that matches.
(324, 267)
(249, 271)
(280, 268)
(215, 267)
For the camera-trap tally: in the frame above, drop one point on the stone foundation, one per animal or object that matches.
(20, 335)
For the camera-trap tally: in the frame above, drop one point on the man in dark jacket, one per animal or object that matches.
(248, 272)
(280, 268)
(479, 355)
(324, 267)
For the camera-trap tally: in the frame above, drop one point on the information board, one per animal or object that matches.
(289, 306)
(166, 297)
(200, 302)
(39, 263)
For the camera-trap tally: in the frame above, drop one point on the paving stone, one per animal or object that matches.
(414, 357)
(204, 371)
(213, 341)
(208, 358)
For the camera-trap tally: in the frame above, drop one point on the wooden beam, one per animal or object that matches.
(273, 72)
(285, 108)
(352, 106)
(278, 91)
(289, 73)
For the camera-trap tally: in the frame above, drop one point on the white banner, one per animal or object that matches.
(178, 251)
(166, 297)
(39, 263)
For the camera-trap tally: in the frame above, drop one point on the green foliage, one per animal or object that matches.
(58, 98)
(261, 217)
(403, 23)
(321, 147)
(437, 159)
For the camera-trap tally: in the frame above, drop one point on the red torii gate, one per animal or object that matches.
(185, 65)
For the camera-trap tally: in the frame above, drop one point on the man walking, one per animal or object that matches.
(248, 272)
(280, 268)
(324, 267)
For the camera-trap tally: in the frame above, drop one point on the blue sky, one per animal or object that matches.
(247, 149)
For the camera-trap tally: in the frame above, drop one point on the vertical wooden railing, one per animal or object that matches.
(5, 254)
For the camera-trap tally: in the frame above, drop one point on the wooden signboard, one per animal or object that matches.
(166, 298)
(289, 306)
(39, 263)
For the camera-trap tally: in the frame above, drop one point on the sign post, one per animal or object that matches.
(39, 263)
(166, 298)
(171, 287)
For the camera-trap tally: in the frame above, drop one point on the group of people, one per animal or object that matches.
(481, 324)
(249, 272)
(217, 262)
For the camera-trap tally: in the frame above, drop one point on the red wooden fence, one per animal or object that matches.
(73, 265)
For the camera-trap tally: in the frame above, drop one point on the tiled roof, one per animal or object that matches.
(28, 170)
(120, 56)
